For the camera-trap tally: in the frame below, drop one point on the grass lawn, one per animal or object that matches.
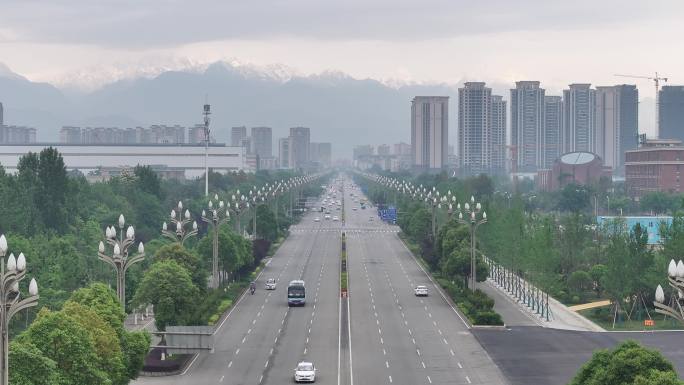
(633, 325)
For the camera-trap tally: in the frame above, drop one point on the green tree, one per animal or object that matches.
(628, 364)
(187, 259)
(61, 339)
(53, 189)
(30, 366)
(134, 346)
(105, 341)
(573, 198)
(231, 254)
(658, 202)
(598, 274)
(579, 281)
(148, 180)
(103, 301)
(266, 224)
(168, 287)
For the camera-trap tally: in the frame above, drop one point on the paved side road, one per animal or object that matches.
(543, 356)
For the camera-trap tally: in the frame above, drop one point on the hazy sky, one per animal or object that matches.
(557, 42)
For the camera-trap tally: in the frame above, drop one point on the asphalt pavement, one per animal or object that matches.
(395, 337)
(543, 356)
(263, 339)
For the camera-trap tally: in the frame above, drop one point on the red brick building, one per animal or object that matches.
(582, 168)
(656, 166)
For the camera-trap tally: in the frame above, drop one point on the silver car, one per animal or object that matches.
(305, 372)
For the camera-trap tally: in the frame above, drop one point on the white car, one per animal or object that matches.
(354, 208)
(317, 219)
(271, 284)
(335, 218)
(305, 372)
(421, 291)
(327, 216)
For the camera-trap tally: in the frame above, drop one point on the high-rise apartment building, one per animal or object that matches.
(402, 149)
(498, 135)
(527, 125)
(284, 153)
(430, 131)
(262, 141)
(579, 118)
(616, 123)
(300, 139)
(321, 153)
(196, 134)
(155, 134)
(17, 134)
(384, 149)
(671, 112)
(237, 134)
(551, 136)
(474, 128)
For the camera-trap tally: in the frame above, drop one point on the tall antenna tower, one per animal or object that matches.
(207, 131)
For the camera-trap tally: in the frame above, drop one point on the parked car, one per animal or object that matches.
(421, 291)
(317, 219)
(335, 218)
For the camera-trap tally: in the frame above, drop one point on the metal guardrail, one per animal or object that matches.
(520, 289)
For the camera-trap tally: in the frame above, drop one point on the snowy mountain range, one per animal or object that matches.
(337, 107)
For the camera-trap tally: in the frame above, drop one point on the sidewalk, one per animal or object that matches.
(515, 313)
(140, 321)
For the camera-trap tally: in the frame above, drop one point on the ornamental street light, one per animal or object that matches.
(119, 258)
(237, 205)
(10, 300)
(472, 211)
(179, 220)
(675, 278)
(216, 218)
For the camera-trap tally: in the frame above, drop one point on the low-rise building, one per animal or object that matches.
(655, 166)
(583, 168)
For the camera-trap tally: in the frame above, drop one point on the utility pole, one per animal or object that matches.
(207, 112)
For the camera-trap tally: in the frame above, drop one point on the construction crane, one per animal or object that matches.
(656, 79)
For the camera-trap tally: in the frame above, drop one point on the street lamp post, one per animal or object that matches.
(119, 259)
(472, 211)
(216, 219)
(239, 204)
(675, 277)
(10, 300)
(180, 220)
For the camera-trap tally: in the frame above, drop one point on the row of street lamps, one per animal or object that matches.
(13, 271)
(470, 214)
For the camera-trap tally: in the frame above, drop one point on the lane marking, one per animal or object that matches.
(230, 364)
(468, 379)
(429, 379)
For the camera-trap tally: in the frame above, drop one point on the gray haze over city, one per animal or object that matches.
(285, 63)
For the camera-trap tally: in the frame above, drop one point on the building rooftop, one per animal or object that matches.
(578, 158)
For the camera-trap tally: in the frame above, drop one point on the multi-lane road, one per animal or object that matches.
(395, 337)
